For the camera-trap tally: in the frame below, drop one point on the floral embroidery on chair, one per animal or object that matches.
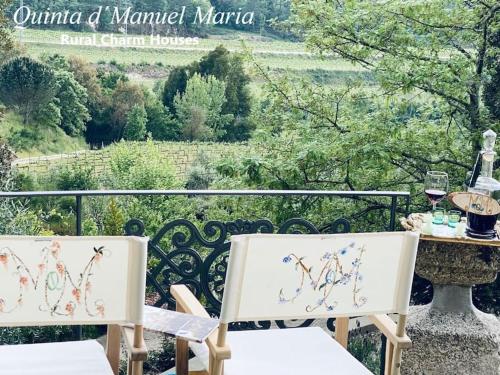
(63, 295)
(332, 274)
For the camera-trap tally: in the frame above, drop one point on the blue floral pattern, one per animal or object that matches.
(333, 273)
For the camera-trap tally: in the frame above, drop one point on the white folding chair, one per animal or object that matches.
(280, 277)
(73, 281)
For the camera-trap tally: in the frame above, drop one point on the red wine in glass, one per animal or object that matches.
(435, 196)
(436, 186)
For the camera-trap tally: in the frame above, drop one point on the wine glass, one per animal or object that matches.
(436, 186)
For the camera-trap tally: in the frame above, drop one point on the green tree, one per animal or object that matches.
(26, 85)
(435, 47)
(135, 129)
(49, 115)
(228, 68)
(201, 104)
(86, 75)
(6, 43)
(124, 97)
(491, 92)
(71, 98)
(175, 84)
(195, 124)
(161, 124)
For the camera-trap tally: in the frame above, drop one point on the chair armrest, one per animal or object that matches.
(388, 328)
(135, 354)
(190, 305)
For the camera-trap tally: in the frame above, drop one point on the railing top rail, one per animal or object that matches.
(96, 193)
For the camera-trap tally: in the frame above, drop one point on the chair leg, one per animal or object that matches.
(181, 357)
(113, 346)
(342, 331)
(389, 352)
(130, 370)
(217, 368)
(137, 368)
(181, 352)
(396, 362)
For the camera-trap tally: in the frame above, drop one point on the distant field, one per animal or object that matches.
(271, 53)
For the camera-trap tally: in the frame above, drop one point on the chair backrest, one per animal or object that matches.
(72, 280)
(274, 276)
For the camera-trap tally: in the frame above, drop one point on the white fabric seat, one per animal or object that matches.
(62, 358)
(296, 351)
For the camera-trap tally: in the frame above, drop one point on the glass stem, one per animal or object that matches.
(434, 206)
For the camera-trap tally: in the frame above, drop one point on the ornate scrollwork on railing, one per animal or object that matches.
(182, 254)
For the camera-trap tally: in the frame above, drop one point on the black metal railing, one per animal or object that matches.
(79, 195)
(182, 253)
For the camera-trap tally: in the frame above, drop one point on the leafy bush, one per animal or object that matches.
(138, 168)
(75, 178)
(113, 220)
(24, 139)
(200, 174)
(7, 156)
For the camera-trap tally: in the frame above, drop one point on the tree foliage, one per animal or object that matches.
(491, 93)
(175, 84)
(6, 42)
(124, 97)
(7, 156)
(135, 128)
(26, 85)
(435, 47)
(225, 67)
(199, 109)
(71, 98)
(161, 125)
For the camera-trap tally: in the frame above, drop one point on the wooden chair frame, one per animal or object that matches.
(137, 351)
(186, 302)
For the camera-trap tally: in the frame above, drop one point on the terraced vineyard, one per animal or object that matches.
(271, 53)
(180, 155)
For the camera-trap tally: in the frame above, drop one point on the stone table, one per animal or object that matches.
(451, 336)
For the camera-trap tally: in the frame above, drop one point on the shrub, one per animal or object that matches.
(75, 178)
(200, 174)
(7, 156)
(114, 220)
(133, 167)
(24, 139)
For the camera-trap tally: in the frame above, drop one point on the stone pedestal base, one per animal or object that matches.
(447, 342)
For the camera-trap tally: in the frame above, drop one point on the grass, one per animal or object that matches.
(47, 141)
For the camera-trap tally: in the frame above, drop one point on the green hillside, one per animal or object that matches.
(30, 140)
